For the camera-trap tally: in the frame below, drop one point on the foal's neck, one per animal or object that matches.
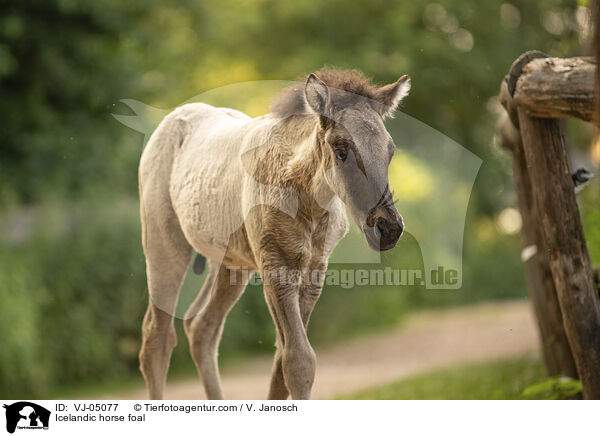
(308, 163)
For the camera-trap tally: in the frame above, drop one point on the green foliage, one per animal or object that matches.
(589, 201)
(495, 380)
(63, 67)
(72, 302)
(553, 388)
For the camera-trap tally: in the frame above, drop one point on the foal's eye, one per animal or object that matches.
(340, 154)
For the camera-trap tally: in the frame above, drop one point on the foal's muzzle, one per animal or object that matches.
(383, 229)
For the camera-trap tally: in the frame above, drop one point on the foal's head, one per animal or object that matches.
(359, 149)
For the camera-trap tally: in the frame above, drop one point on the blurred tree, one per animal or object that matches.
(63, 65)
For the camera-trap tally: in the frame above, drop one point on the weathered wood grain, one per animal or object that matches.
(560, 222)
(558, 358)
(557, 88)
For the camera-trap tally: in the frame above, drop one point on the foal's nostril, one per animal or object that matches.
(382, 233)
(381, 228)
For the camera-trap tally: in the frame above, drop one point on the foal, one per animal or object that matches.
(265, 194)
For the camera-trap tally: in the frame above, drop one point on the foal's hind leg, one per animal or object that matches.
(205, 324)
(167, 258)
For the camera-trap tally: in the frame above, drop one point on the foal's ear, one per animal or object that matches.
(317, 95)
(391, 95)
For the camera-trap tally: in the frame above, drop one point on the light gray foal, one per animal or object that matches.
(265, 194)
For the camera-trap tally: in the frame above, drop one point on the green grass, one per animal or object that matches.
(496, 380)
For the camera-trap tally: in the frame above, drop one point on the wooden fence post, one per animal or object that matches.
(537, 92)
(558, 216)
(558, 358)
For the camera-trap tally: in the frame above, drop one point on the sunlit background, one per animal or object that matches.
(72, 272)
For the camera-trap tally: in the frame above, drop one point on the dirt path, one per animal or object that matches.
(427, 341)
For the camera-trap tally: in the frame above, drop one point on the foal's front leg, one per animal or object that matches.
(309, 293)
(298, 360)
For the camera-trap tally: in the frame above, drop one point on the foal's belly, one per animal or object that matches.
(214, 226)
(206, 189)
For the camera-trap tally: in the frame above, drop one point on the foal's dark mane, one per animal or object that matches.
(346, 88)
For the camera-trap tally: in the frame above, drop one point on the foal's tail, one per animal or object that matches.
(199, 264)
